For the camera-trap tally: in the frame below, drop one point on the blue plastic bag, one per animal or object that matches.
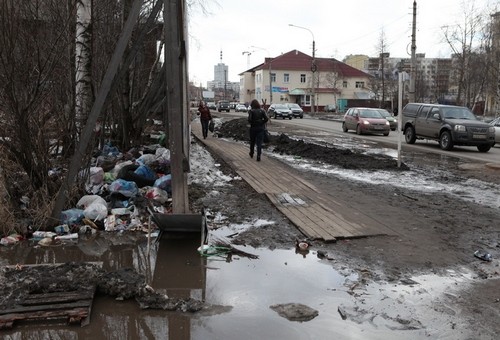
(146, 172)
(126, 188)
(72, 216)
(164, 183)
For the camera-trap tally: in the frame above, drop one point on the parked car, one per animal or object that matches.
(212, 106)
(393, 121)
(297, 111)
(365, 120)
(330, 108)
(223, 105)
(447, 124)
(241, 108)
(279, 110)
(496, 124)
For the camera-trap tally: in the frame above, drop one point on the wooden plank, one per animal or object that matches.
(320, 217)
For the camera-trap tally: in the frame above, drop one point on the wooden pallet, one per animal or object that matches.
(73, 307)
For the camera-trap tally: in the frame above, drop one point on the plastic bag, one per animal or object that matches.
(266, 136)
(96, 211)
(157, 194)
(164, 183)
(146, 172)
(211, 126)
(126, 188)
(71, 216)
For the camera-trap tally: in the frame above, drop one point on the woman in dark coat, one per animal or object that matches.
(205, 118)
(257, 119)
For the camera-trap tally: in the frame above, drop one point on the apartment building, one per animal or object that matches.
(288, 79)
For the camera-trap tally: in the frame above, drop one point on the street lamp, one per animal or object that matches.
(313, 68)
(270, 74)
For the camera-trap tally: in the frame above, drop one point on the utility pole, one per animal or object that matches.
(413, 69)
(313, 69)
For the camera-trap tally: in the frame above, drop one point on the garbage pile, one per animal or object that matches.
(120, 187)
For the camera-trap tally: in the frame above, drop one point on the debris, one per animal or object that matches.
(302, 245)
(342, 312)
(481, 254)
(295, 311)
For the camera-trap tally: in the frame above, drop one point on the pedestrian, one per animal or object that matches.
(257, 119)
(205, 118)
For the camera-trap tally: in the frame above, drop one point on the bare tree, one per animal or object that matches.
(463, 40)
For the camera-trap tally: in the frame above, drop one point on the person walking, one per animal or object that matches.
(257, 119)
(205, 118)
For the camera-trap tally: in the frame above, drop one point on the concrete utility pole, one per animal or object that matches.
(313, 69)
(413, 69)
(176, 92)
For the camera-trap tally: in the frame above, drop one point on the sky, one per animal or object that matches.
(339, 28)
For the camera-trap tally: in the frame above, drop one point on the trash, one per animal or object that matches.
(481, 254)
(67, 237)
(46, 241)
(156, 194)
(87, 200)
(126, 188)
(71, 216)
(62, 229)
(342, 312)
(302, 245)
(110, 223)
(146, 172)
(96, 211)
(43, 234)
(11, 239)
(95, 180)
(164, 183)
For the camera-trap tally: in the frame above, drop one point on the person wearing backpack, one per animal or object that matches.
(257, 118)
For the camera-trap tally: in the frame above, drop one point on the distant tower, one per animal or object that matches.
(220, 72)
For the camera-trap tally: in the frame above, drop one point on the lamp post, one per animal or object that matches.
(270, 74)
(313, 68)
(248, 57)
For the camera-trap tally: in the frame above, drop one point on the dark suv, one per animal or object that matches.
(447, 124)
(223, 105)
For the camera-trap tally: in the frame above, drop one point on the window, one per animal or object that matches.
(273, 77)
(360, 84)
(286, 78)
(306, 100)
(344, 84)
(302, 78)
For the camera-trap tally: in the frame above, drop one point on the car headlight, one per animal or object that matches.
(387, 123)
(491, 129)
(366, 122)
(460, 128)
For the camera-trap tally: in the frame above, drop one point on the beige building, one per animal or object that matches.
(290, 77)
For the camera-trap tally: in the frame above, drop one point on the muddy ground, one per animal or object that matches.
(436, 232)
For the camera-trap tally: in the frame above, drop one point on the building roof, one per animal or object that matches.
(298, 61)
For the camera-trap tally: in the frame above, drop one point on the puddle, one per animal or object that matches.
(240, 292)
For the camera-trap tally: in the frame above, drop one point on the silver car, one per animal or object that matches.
(279, 110)
(496, 124)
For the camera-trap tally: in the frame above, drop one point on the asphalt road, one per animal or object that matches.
(335, 127)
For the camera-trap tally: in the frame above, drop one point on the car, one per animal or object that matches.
(223, 105)
(393, 121)
(297, 111)
(365, 120)
(449, 125)
(496, 124)
(240, 108)
(279, 110)
(330, 108)
(212, 106)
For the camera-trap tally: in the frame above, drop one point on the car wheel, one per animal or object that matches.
(484, 148)
(393, 129)
(386, 133)
(410, 137)
(290, 117)
(445, 141)
(344, 127)
(358, 130)
(275, 116)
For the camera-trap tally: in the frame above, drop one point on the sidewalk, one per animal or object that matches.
(315, 213)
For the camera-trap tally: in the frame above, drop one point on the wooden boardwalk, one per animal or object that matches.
(315, 213)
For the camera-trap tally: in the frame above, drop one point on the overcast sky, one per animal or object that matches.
(339, 28)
